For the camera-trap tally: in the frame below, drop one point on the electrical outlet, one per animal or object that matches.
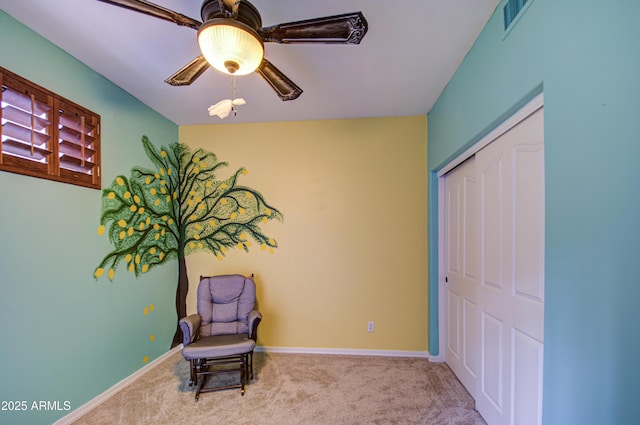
(370, 327)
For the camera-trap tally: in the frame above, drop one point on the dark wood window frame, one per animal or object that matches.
(45, 135)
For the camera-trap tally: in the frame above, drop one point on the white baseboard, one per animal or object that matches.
(343, 351)
(101, 398)
(437, 359)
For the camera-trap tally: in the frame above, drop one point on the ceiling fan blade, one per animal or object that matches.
(348, 28)
(188, 73)
(284, 87)
(151, 9)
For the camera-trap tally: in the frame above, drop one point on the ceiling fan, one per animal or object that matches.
(231, 39)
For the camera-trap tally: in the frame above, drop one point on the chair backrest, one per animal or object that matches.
(224, 304)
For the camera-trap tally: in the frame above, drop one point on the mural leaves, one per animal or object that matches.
(180, 207)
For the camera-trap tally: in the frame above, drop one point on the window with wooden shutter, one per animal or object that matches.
(47, 136)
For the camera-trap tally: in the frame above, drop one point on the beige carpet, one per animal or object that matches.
(298, 389)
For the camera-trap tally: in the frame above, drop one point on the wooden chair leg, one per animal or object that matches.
(243, 372)
(247, 373)
(200, 382)
(193, 377)
(251, 365)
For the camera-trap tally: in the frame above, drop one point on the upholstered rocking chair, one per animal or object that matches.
(220, 339)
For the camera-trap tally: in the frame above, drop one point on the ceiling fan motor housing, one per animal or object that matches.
(247, 13)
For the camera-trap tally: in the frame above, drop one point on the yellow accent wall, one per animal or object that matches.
(353, 243)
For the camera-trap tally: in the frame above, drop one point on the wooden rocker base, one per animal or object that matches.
(201, 369)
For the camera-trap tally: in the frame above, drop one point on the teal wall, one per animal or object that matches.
(66, 337)
(585, 57)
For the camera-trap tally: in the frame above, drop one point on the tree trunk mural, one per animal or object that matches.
(181, 298)
(161, 215)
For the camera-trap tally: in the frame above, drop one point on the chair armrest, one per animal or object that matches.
(190, 327)
(255, 317)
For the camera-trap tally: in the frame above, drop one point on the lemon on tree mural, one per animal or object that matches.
(161, 215)
(152, 337)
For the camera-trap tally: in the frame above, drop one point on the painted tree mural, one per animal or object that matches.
(161, 215)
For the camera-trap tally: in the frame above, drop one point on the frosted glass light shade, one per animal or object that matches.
(230, 46)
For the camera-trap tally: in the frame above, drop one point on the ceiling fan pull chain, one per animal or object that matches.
(233, 95)
(233, 87)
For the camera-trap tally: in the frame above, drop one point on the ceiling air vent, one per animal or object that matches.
(511, 10)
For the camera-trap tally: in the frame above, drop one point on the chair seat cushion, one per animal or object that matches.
(219, 346)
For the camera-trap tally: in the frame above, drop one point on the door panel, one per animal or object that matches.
(492, 382)
(471, 353)
(462, 271)
(526, 395)
(453, 342)
(528, 225)
(491, 213)
(511, 291)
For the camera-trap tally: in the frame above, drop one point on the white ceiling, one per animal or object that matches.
(409, 54)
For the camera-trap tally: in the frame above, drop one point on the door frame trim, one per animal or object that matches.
(520, 115)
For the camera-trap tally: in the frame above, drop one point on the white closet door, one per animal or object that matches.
(462, 273)
(510, 297)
